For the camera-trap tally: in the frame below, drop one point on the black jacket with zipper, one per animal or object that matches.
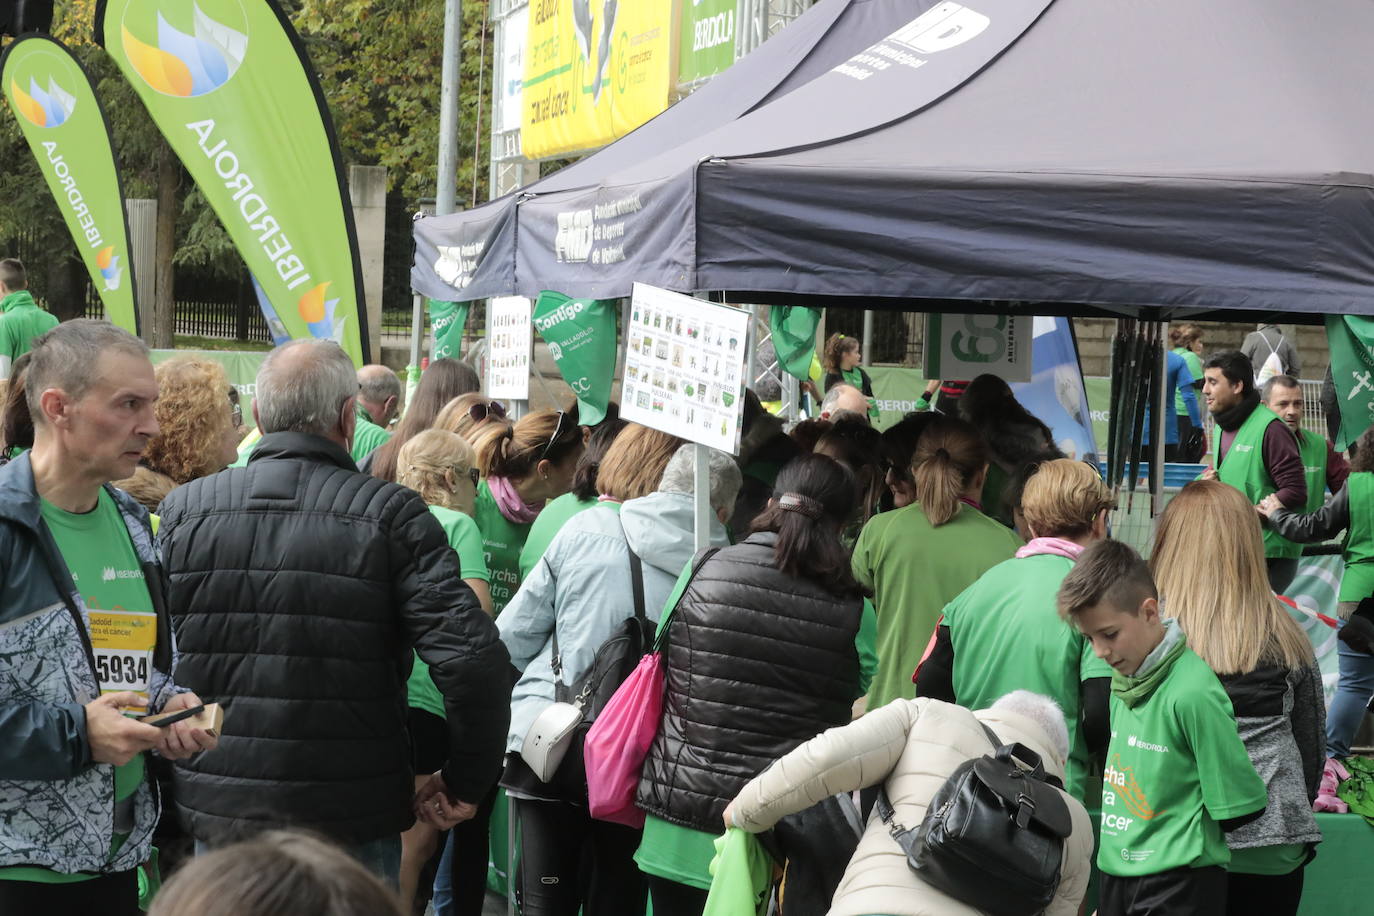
(756, 663)
(298, 587)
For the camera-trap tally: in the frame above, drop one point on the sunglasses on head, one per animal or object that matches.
(557, 431)
(483, 409)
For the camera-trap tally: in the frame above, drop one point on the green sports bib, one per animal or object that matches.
(1244, 469)
(1358, 581)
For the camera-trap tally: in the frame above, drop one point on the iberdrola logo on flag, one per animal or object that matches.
(318, 314)
(182, 64)
(57, 111)
(108, 262)
(43, 108)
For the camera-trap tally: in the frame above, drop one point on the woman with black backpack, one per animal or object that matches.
(762, 653)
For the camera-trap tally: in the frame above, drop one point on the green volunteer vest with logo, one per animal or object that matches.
(1244, 469)
(1312, 451)
(1358, 581)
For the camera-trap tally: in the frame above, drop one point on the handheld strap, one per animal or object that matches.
(636, 587)
(637, 583)
(662, 636)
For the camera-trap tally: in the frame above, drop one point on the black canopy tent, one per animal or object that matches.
(1163, 160)
(471, 254)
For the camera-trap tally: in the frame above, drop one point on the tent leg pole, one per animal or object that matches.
(417, 325)
(868, 335)
(1157, 421)
(701, 497)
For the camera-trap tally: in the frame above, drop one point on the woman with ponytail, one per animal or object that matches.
(524, 465)
(919, 558)
(766, 647)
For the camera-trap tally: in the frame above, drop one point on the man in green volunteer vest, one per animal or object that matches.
(1255, 452)
(21, 319)
(1323, 467)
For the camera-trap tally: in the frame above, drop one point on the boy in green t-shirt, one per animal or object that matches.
(1177, 774)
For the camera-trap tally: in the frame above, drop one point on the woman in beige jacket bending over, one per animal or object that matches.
(911, 747)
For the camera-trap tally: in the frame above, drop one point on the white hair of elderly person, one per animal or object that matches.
(911, 747)
(844, 399)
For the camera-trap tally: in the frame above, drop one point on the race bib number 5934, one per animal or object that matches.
(123, 642)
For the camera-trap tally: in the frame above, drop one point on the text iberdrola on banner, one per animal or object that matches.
(227, 83)
(51, 96)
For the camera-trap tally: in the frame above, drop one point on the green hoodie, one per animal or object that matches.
(21, 320)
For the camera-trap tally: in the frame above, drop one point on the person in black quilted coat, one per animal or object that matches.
(298, 588)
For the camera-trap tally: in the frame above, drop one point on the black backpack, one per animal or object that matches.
(993, 835)
(615, 660)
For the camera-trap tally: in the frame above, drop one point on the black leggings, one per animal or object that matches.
(570, 861)
(1273, 895)
(108, 895)
(673, 899)
(471, 853)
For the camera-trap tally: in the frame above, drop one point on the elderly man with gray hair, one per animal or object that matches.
(299, 587)
(86, 645)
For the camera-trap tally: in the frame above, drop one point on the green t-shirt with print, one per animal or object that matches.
(99, 554)
(550, 521)
(502, 541)
(466, 541)
(915, 569)
(1176, 767)
(1007, 635)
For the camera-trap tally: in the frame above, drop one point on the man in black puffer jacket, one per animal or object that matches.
(298, 587)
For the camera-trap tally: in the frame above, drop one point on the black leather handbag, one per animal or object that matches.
(615, 660)
(993, 835)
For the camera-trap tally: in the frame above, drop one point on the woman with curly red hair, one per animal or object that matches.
(199, 428)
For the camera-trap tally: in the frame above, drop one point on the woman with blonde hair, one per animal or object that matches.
(199, 429)
(468, 413)
(442, 468)
(1208, 562)
(1004, 633)
(917, 559)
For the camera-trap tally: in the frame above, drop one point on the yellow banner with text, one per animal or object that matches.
(594, 71)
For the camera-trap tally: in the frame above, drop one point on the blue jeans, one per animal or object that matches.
(1348, 706)
(381, 857)
(443, 880)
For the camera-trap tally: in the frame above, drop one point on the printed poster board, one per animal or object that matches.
(967, 346)
(508, 348)
(684, 367)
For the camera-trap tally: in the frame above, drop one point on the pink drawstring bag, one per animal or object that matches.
(619, 740)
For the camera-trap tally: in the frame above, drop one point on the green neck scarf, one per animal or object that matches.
(1136, 688)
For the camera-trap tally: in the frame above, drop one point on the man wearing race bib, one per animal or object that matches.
(1254, 452)
(84, 638)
